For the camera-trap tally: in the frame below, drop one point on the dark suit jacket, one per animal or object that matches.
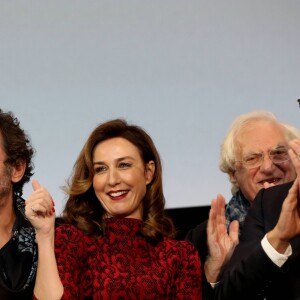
(198, 237)
(250, 274)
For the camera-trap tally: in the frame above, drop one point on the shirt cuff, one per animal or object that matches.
(276, 257)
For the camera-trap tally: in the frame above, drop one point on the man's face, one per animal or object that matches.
(261, 138)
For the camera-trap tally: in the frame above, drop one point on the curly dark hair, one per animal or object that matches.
(17, 147)
(84, 210)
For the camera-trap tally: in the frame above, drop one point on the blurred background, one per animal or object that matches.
(183, 70)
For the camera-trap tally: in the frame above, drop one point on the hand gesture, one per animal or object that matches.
(220, 243)
(39, 209)
(288, 225)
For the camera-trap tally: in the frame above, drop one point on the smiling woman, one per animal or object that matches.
(121, 178)
(116, 241)
(112, 149)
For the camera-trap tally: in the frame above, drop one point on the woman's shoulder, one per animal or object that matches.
(69, 238)
(180, 245)
(69, 232)
(182, 251)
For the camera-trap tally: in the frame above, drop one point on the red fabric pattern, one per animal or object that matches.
(123, 265)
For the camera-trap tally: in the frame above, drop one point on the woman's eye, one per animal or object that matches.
(100, 169)
(124, 165)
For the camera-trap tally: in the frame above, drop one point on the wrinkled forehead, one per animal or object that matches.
(260, 137)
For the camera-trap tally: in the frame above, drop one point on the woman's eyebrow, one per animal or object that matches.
(118, 160)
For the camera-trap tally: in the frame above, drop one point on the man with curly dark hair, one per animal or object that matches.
(18, 251)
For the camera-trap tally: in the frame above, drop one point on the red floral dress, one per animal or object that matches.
(123, 265)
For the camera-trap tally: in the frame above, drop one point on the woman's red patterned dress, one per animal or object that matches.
(123, 265)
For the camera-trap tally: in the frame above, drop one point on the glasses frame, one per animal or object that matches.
(262, 157)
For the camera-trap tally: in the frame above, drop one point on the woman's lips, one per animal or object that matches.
(118, 195)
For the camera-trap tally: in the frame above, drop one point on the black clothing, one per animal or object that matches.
(18, 258)
(250, 273)
(198, 237)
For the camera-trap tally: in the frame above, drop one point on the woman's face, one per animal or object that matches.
(120, 178)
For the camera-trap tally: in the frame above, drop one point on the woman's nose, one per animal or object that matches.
(113, 177)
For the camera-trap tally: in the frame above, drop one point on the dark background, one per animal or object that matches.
(187, 218)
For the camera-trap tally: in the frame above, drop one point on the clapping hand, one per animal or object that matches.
(220, 243)
(288, 225)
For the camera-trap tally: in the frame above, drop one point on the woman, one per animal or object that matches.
(116, 242)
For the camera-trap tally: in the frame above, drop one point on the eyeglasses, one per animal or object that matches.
(254, 160)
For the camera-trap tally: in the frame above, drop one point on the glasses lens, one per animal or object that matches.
(253, 160)
(279, 155)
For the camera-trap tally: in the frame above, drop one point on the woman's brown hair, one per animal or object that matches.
(84, 210)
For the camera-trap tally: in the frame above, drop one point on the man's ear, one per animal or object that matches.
(18, 171)
(149, 171)
(232, 177)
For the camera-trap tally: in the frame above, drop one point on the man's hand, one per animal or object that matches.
(288, 225)
(220, 243)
